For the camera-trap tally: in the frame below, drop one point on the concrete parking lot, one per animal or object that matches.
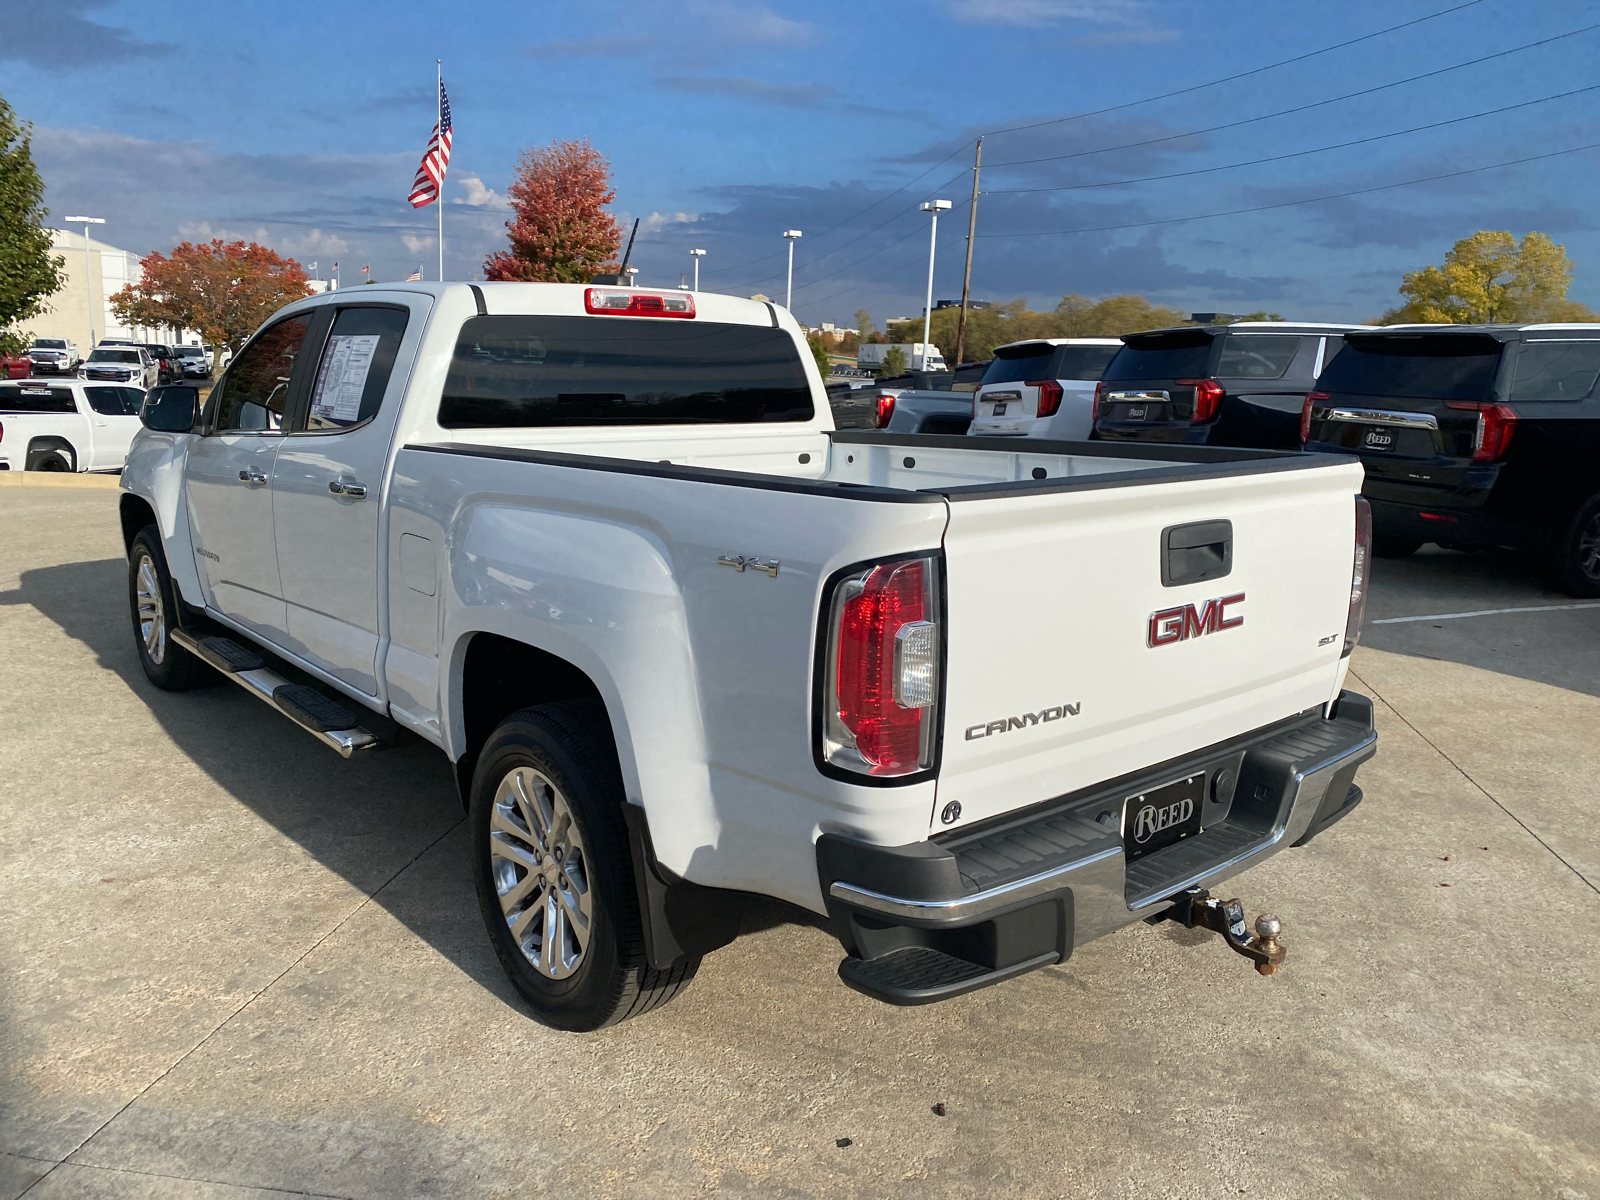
(233, 964)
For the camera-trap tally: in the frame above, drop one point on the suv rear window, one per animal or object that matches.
(565, 371)
(1555, 371)
(37, 400)
(1440, 367)
(1167, 356)
(1042, 361)
(1257, 355)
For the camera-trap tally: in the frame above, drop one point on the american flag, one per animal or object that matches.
(415, 276)
(435, 160)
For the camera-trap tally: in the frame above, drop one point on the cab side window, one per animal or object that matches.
(107, 401)
(355, 368)
(1257, 355)
(256, 388)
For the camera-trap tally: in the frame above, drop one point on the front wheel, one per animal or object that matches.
(1576, 555)
(554, 872)
(153, 604)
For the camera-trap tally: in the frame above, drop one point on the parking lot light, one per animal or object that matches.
(88, 268)
(698, 255)
(933, 208)
(788, 295)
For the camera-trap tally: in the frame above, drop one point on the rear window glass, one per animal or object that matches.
(1081, 362)
(1256, 355)
(563, 371)
(1555, 371)
(37, 399)
(1421, 368)
(1170, 356)
(1013, 364)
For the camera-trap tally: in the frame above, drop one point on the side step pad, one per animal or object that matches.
(921, 975)
(330, 722)
(227, 655)
(312, 709)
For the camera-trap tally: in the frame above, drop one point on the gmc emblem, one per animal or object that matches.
(1180, 624)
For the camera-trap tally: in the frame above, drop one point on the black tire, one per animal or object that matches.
(166, 664)
(570, 745)
(48, 460)
(1388, 546)
(1575, 557)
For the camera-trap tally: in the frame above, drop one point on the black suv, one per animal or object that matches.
(1473, 435)
(1219, 385)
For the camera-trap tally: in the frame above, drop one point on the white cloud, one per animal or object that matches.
(479, 194)
(748, 24)
(417, 243)
(204, 231)
(1034, 13)
(656, 222)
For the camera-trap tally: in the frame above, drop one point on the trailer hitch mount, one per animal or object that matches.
(1197, 907)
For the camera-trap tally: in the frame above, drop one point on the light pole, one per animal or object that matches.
(933, 208)
(792, 236)
(632, 274)
(698, 255)
(88, 268)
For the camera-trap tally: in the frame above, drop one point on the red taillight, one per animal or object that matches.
(1207, 397)
(1099, 391)
(1492, 437)
(885, 411)
(625, 302)
(2, 431)
(1050, 393)
(1358, 576)
(882, 687)
(1305, 414)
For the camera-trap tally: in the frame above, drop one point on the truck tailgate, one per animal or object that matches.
(1054, 598)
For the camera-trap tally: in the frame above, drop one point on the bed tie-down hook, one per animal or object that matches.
(1197, 907)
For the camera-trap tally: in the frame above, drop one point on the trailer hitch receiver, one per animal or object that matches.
(1197, 907)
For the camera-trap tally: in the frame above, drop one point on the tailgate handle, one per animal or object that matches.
(1195, 552)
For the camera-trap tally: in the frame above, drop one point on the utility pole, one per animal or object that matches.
(966, 279)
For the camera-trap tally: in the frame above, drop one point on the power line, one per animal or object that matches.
(1292, 203)
(1073, 187)
(1100, 112)
(1284, 112)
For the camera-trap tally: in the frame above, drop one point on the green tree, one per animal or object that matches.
(1491, 277)
(819, 351)
(894, 362)
(863, 324)
(29, 273)
(1014, 321)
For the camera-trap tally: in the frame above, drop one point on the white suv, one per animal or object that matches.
(1042, 388)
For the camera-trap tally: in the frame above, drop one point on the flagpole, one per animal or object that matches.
(438, 99)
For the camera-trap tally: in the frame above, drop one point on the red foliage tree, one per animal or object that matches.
(223, 289)
(561, 232)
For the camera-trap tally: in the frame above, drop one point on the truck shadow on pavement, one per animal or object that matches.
(1560, 647)
(367, 819)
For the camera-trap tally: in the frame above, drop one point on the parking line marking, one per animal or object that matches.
(1484, 612)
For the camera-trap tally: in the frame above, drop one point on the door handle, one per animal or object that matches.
(356, 491)
(252, 476)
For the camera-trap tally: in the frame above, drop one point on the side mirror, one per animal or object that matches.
(171, 409)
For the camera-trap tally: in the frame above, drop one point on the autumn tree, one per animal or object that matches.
(560, 231)
(223, 289)
(29, 273)
(1490, 277)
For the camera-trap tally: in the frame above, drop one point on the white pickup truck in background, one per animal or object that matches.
(976, 700)
(66, 425)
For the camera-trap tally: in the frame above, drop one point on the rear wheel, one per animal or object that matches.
(153, 604)
(1388, 546)
(1576, 556)
(554, 872)
(48, 460)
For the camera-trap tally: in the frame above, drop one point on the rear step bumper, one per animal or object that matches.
(1021, 891)
(325, 719)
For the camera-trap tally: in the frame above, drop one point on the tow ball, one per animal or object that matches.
(1197, 906)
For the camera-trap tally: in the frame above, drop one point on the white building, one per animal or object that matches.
(107, 270)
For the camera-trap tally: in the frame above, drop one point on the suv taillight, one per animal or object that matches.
(1050, 393)
(1492, 437)
(881, 682)
(885, 406)
(1305, 413)
(1358, 576)
(1207, 396)
(1099, 392)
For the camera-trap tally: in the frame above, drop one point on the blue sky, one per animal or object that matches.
(300, 125)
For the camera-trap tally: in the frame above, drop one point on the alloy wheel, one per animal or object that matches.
(152, 617)
(1589, 548)
(541, 872)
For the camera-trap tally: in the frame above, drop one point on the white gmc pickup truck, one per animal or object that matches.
(976, 701)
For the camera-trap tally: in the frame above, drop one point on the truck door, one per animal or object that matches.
(228, 476)
(111, 427)
(328, 482)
